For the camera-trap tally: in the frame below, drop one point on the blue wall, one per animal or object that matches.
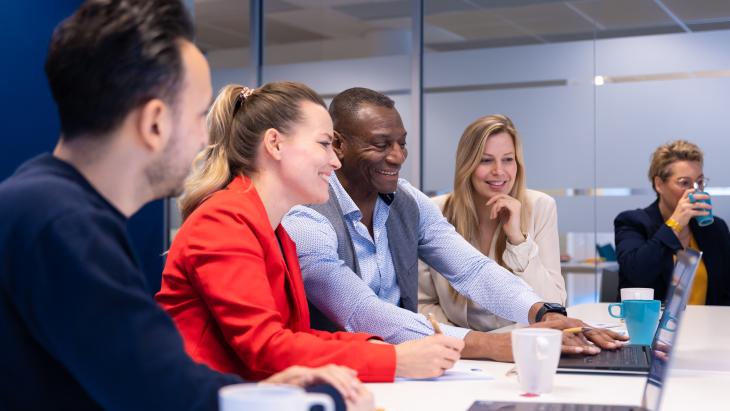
(29, 120)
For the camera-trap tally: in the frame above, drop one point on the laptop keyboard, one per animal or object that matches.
(628, 355)
(526, 406)
(578, 407)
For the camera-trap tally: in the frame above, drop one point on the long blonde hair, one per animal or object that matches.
(461, 208)
(236, 123)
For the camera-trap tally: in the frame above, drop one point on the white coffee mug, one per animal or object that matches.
(536, 352)
(637, 294)
(266, 397)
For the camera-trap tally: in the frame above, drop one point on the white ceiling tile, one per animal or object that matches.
(622, 14)
(696, 11)
(327, 22)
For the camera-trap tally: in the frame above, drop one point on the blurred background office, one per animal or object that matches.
(595, 85)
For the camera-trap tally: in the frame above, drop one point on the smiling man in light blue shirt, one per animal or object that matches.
(359, 252)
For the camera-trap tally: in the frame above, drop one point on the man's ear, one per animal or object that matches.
(338, 144)
(154, 124)
(272, 143)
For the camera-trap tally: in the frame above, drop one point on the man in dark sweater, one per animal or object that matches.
(78, 326)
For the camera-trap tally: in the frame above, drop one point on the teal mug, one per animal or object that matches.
(641, 316)
(702, 220)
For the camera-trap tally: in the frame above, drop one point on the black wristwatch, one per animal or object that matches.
(550, 308)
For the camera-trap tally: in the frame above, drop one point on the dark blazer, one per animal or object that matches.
(79, 330)
(645, 246)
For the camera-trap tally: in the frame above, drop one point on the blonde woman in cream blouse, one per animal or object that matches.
(491, 207)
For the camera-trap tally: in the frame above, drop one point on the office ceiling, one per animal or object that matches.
(456, 24)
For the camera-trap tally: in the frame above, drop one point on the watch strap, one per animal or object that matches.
(549, 308)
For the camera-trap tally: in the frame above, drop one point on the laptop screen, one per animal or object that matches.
(666, 334)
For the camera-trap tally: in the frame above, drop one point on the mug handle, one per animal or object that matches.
(541, 348)
(323, 400)
(620, 310)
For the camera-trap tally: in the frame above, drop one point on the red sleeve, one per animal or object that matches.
(228, 269)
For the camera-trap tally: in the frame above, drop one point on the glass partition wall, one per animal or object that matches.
(332, 45)
(593, 87)
(661, 74)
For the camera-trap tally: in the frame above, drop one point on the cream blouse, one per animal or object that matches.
(536, 261)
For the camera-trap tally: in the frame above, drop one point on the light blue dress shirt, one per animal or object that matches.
(369, 304)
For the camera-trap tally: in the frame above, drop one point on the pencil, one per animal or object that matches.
(576, 330)
(434, 324)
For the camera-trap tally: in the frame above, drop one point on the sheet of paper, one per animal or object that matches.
(460, 372)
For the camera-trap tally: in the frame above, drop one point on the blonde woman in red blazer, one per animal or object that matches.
(232, 281)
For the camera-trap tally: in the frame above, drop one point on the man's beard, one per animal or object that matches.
(167, 173)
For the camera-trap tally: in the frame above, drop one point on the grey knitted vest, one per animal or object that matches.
(402, 226)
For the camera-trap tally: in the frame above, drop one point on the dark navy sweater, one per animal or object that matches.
(78, 328)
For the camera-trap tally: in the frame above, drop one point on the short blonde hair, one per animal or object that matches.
(667, 154)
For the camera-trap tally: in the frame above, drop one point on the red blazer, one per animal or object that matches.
(241, 307)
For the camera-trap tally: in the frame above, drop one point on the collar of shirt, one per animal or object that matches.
(347, 204)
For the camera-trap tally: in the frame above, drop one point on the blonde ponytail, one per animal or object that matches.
(236, 123)
(211, 170)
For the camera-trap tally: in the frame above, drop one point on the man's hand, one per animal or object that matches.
(491, 346)
(342, 378)
(587, 342)
(498, 346)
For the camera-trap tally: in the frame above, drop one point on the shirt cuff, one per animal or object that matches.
(456, 332)
(517, 257)
(528, 302)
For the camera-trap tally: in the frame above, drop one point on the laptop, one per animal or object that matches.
(636, 359)
(661, 352)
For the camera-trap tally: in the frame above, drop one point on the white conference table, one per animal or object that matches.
(699, 378)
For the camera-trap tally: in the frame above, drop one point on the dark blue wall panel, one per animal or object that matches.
(29, 120)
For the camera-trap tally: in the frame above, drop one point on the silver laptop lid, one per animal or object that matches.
(666, 335)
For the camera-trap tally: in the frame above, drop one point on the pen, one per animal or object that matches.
(576, 330)
(434, 324)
